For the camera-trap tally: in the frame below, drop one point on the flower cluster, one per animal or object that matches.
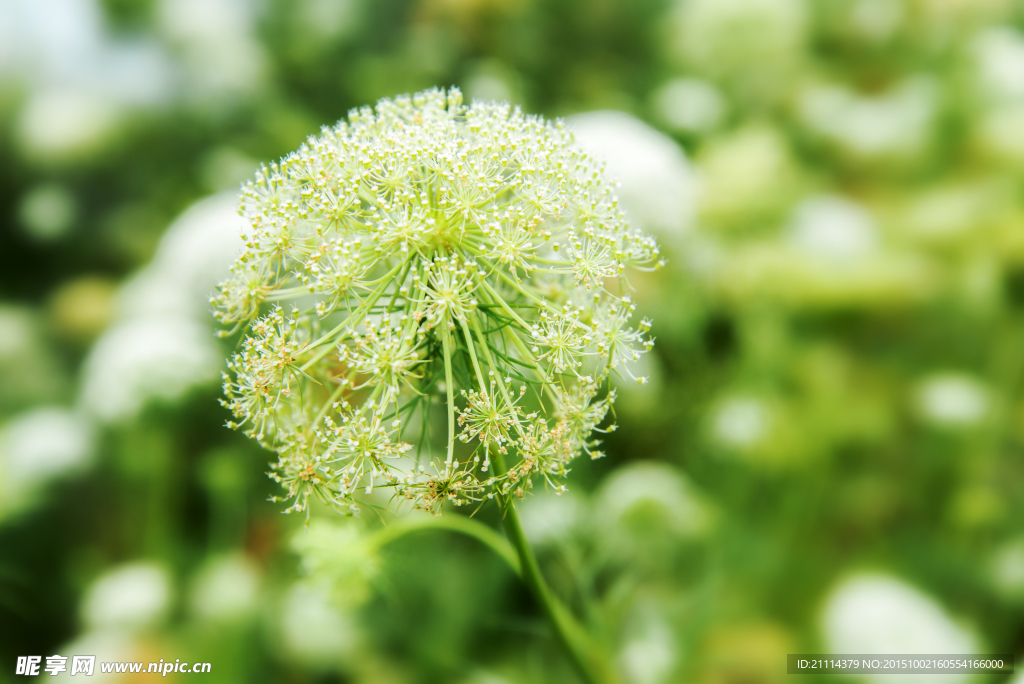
(435, 259)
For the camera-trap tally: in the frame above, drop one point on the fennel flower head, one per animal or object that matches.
(432, 278)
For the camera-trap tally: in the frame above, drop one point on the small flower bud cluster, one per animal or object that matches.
(435, 258)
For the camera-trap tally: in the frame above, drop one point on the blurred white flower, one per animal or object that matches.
(549, 518)
(726, 38)
(649, 655)
(488, 86)
(645, 499)
(1000, 133)
(785, 276)
(163, 345)
(204, 20)
(47, 212)
(493, 81)
(765, 430)
(48, 39)
(748, 176)
(896, 125)
(328, 20)
(833, 229)
(226, 589)
(135, 73)
(1007, 570)
(216, 39)
(741, 421)
(112, 645)
(831, 257)
(81, 81)
(689, 105)
(226, 168)
(948, 16)
(313, 631)
(61, 124)
(946, 214)
(193, 256)
(486, 678)
(657, 184)
(952, 400)
(128, 597)
(143, 359)
(999, 55)
(40, 445)
(876, 20)
(17, 332)
(875, 613)
(338, 559)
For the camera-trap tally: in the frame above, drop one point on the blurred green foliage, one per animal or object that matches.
(837, 389)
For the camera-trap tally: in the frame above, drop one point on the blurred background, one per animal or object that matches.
(828, 457)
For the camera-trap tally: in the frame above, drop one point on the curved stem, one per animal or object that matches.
(453, 523)
(577, 643)
(518, 555)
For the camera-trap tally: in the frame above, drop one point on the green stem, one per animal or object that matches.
(499, 300)
(519, 557)
(453, 523)
(472, 356)
(449, 389)
(352, 317)
(536, 300)
(577, 643)
(522, 350)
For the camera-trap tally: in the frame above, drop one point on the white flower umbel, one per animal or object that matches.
(428, 249)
